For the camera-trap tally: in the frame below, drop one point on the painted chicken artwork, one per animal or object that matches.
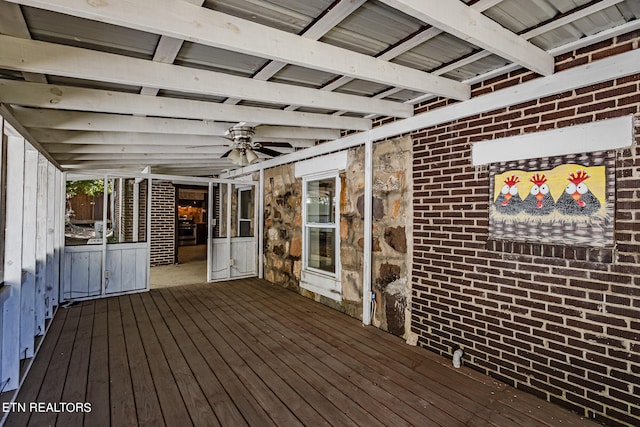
(577, 199)
(539, 200)
(509, 201)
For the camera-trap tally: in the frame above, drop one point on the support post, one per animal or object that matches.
(260, 222)
(368, 211)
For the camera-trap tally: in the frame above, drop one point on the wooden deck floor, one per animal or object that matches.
(248, 353)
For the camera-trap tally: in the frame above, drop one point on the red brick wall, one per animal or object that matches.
(163, 223)
(559, 322)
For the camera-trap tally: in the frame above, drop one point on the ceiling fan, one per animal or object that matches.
(243, 150)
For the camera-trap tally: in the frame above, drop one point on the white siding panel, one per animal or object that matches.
(41, 245)
(28, 288)
(10, 363)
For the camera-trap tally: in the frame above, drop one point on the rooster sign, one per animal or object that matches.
(577, 198)
(565, 193)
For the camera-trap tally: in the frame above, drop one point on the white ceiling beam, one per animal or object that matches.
(201, 25)
(166, 52)
(319, 28)
(143, 159)
(119, 157)
(49, 136)
(571, 17)
(50, 58)
(78, 120)
(62, 148)
(398, 50)
(12, 23)
(180, 170)
(72, 98)
(80, 137)
(466, 23)
(135, 166)
(214, 164)
(613, 67)
(283, 132)
(7, 114)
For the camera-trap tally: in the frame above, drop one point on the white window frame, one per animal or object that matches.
(335, 225)
(319, 281)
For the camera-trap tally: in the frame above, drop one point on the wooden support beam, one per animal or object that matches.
(12, 23)
(85, 121)
(318, 29)
(466, 23)
(58, 149)
(212, 28)
(73, 98)
(596, 72)
(50, 58)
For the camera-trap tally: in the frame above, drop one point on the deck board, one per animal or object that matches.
(236, 339)
(98, 374)
(196, 403)
(173, 408)
(249, 353)
(30, 389)
(75, 386)
(123, 409)
(326, 398)
(250, 409)
(148, 409)
(219, 401)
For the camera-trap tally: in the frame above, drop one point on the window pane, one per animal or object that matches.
(84, 213)
(128, 209)
(321, 201)
(321, 253)
(245, 228)
(245, 204)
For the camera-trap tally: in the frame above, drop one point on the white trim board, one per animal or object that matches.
(609, 68)
(331, 162)
(610, 134)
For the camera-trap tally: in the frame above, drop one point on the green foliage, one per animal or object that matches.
(90, 187)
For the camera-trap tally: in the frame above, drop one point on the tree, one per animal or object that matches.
(90, 187)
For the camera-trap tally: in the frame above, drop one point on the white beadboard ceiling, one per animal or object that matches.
(122, 85)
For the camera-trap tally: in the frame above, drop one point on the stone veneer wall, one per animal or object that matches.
(392, 230)
(282, 226)
(391, 223)
(163, 223)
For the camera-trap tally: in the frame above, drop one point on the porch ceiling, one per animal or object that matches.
(123, 85)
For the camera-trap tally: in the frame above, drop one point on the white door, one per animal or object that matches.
(233, 239)
(106, 248)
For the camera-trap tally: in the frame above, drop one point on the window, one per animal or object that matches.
(320, 224)
(245, 212)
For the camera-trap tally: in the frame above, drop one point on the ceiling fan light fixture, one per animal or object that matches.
(252, 157)
(235, 156)
(241, 134)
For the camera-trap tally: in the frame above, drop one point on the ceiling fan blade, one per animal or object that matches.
(268, 151)
(275, 144)
(225, 154)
